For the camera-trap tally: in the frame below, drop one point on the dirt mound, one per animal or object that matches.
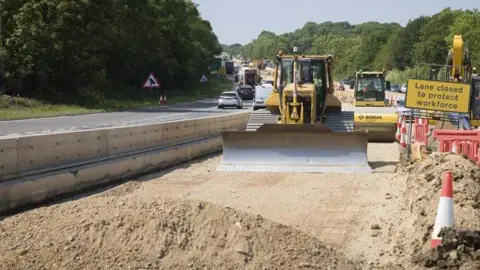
(460, 248)
(167, 234)
(424, 183)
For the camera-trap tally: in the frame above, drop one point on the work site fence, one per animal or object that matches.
(416, 127)
(466, 142)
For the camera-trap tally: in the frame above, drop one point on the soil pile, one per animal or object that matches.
(460, 249)
(167, 234)
(424, 184)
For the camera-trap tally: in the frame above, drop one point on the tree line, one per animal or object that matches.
(373, 45)
(82, 51)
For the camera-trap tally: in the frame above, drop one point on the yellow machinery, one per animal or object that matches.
(458, 69)
(302, 129)
(372, 112)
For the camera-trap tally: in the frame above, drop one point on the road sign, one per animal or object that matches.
(151, 82)
(438, 96)
(203, 79)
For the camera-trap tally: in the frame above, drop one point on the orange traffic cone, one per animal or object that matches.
(165, 99)
(160, 101)
(399, 126)
(445, 217)
(403, 135)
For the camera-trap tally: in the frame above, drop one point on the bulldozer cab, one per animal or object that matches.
(307, 82)
(369, 88)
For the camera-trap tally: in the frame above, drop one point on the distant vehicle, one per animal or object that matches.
(403, 89)
(230, 99)
(261, 95)
(395, 88)
(246, 91)
(345, 81)
(229, 67)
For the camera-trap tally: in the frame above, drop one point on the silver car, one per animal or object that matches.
(230, 99)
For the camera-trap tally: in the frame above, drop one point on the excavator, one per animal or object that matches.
(459, 69)
(371, 112)
(302, 129)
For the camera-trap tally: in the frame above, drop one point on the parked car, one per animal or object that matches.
(261, 94)
(230, 99)
(403, 89)
(246, 92)
(395, 88)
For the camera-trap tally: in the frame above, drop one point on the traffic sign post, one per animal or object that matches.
(152, 82)
(203, 81)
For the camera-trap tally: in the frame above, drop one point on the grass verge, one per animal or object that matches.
(14, 108)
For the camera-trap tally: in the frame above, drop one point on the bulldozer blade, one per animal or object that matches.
(295, 150)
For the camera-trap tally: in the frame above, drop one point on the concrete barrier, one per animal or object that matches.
(35, 154)
(41, 187)
(113, 154)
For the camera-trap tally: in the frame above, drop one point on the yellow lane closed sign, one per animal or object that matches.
(438, 96)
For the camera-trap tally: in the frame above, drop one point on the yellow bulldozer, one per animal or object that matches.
(302, 129)
(372, 113)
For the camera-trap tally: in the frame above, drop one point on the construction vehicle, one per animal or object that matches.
(302, 129)
(458, 69)
(249, 76)
(372, 113)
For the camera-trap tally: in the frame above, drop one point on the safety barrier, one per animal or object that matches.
(401, 135)
(33, 154)
(38, 187)
(465, 142)
(421, 130)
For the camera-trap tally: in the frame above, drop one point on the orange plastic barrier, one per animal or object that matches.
(465, 142)
(421, 129)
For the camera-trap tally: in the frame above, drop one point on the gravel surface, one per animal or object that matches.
(107, 228)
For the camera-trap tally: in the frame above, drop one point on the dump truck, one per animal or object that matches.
(371, 112)
(302, 128)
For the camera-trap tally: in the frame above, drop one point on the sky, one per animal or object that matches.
(241, 21)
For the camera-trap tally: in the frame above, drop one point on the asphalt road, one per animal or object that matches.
(192, 110)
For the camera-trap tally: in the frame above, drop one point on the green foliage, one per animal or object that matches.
(376, 46)
(12, 108)
(87, 51)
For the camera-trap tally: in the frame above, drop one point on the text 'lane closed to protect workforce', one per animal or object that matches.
(438, 96)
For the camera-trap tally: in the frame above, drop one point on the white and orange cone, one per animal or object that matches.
(399, 126)
(165, 99)
(445, 216)
(160, 101)
(403, 136)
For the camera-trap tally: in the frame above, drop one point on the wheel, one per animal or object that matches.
(255, 108)
(239, 107)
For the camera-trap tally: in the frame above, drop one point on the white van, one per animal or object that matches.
(261, 94)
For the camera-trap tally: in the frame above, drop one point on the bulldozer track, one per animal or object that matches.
(260, 117)
(340, 121)
(337, 121)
